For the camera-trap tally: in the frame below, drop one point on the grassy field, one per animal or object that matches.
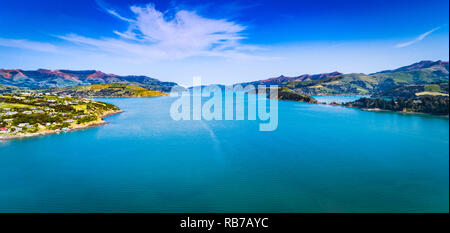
(9, 105)
(431, 93)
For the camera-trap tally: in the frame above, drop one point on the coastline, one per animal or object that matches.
(384, 110)
(72, 128)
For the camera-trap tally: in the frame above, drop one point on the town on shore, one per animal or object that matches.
(33, 114)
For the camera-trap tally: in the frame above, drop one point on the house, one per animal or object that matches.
(10, 113)
(22, 124)
(8, 120)
(51, 100)
(68, 121)
(38, 111)
(27, 112)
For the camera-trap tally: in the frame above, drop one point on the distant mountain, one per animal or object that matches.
(105, 90)
(42, 78)
(284, 80)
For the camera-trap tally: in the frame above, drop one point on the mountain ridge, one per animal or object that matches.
(44, 78)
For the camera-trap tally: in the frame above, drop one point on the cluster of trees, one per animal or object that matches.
(438, 105)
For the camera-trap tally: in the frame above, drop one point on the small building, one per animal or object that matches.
(22, 124)
(10, 113)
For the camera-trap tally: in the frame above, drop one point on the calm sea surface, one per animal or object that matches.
(320, 159)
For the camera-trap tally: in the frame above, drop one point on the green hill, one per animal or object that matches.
(106, 90)
(10, 89)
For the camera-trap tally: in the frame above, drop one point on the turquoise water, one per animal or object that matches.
(320, 159)
(340, 99)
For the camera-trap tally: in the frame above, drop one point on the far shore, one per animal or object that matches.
(383, 110)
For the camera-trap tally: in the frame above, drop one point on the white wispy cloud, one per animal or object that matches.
(155, 35)
(417, 39)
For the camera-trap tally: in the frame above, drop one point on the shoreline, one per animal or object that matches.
(73, 128)
(389, 111)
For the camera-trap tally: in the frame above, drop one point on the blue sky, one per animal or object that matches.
(221, 41)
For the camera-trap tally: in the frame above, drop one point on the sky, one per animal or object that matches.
(222, 41)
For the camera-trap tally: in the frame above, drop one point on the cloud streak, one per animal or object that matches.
(155, 35)
(417, 39)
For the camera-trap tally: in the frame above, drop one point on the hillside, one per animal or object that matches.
(422, 73)
(42, 78)
(287, 94)
(9, 89)
(437, 105)
(106, 90)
